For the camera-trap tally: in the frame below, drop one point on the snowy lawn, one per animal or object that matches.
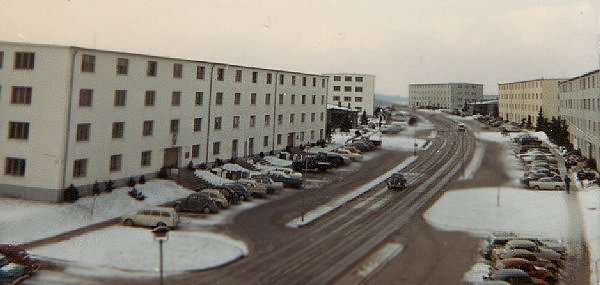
(401, 143)
(26, 221)
(211, 178)
(278, 162)
(499, 138)
(542, 214)
(589, 202)
(340, 201)
(134, 249)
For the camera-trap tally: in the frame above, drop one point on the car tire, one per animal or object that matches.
(220, 205)
(536, 187)
(206, 210)
(161, 224)
(128, 222)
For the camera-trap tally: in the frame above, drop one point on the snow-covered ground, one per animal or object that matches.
(278, 162)
(338, 202)
(340, 138)
(475, 162)
(401, 143)
(211, 178)
(589, 202)
(26, 221)
(129, 250)
(499, 138)
(380, 258)
(481, 211)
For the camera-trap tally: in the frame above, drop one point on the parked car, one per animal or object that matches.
(153, 217)
(18, 254)
(286, 171)
(11, 272)
(240, 189)
(547, 183)
(218, 197)
(352, 156)
(232, 197)
(256, 189)
(522, 244)
(310, 164)
(272, 186)
(197, 202)
(513, 276)
(396, 182)
(528, 267)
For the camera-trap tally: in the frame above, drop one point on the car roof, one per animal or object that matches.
(511, 272)
(162, 209)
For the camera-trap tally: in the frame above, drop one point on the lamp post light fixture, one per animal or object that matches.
(161, 234)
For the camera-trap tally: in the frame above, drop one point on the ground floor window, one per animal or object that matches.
(14, 166)
(196, 151)
(146, 158)
(216, 148)
(80, 168)
(115, 162)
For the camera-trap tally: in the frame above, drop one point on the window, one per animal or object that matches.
(149, 98)
(24, 60)
(197, 124)
(303, 99)
(347, 88)
(200, 72)
(303, 80)
(358, 89)
(234, 148)
(216, 148)
(14, 166)
(336, 98)
(322, 99)
(122, 66)
(1, 59)
(322, 115)
(85, 97)
(251, 146)
(267, 99)
(148, 128)
(253, 99)
(302, 118)
(79, 168)
(220, 74)
(312, 117)
(269, 78)
(267, 120)
(21, 95)
(265, 141)
(337, 78)
(254, 76)
(18, 130)
(314, 99)
(293, 80)
(322, 82)
(120, 98)
(199, 98)
(281, 79)
(152, 68)
(279, 119)
(312, 134)
(252, 121)
(278, 139)
(293, 100)
(176, 98)
(174, 126)
(237, 97)
(358, 99)
(358, 79)
(219, 98)
(117, 130)
(314, 81)
(88, 63)
(238, 75)
(195, 151)
(146, 158)
(83, 132)
(292, 118)
(280, 99)
(348, 78)
(236, 122)
(115, 162)
(177, 70)
(218, 121)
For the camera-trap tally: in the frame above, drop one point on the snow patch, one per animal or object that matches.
(482, 211)
(475, 162)
(589, 203)
(340, 201)
(401, 143)
(134, 250)
(212, 178)
(278, 162)
(380, 258)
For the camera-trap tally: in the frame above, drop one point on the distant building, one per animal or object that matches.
(452, 96)
(580, 107)
(488, 107)
(521, 101)
(356, 91)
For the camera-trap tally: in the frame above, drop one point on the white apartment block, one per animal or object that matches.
(73, 115)
(451, 96)
(580, 107)
(518, 101)
(354, 91)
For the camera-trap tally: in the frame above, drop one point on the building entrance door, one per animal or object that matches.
(171, 157)
(290, 139)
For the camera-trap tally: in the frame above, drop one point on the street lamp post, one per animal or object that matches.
(161, 235)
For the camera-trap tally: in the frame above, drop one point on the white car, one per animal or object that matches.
(352, 156)
(153, 217)
(286, 171)
(547, 183)
(218, 197)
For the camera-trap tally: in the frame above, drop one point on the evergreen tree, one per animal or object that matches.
(529, 123)
(540, 124)
(363, 119)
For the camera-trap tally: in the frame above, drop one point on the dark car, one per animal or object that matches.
(18, 254)
(229, 194)
(197, 202)
(240, 189)
(513, 276)
(396, 182)
(287, 180)
(310, 164)
(336, 160)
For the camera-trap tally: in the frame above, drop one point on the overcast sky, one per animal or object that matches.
(399, 41)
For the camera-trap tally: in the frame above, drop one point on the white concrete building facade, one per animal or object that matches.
(354, 91)
(73, 115)
(580, 107)
(521, 101)
(451, 96)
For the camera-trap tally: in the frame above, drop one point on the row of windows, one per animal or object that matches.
(348, 88)
(587, 82)
(348, 78)
(581, 104)
(348, 99)
(522, 107)
(520, 85)
(23, 60)
(522, 96)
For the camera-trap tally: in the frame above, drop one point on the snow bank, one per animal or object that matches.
(542, 214)
(278, 162)
(26, 221)
(341, 138)
(499, 138)
(211, 178)
(589, 203)
(380, 258)
(234, 167)
(475, 162)
(128, 249)
(340, 201)
(401, 143)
